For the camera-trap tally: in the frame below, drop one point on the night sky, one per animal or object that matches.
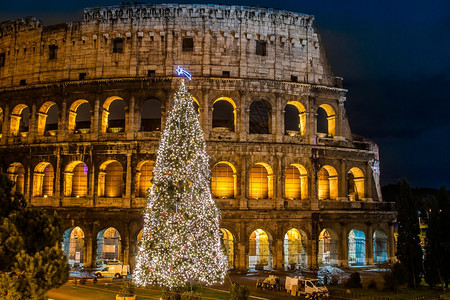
(393, 56)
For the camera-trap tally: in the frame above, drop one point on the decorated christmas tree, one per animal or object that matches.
(181, 236)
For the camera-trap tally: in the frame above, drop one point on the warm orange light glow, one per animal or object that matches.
(144, 176)
(301, 114)
(331, 117)
(328, 183)
(223, 180)
(228, 244)
(355, 184)
(261, 185)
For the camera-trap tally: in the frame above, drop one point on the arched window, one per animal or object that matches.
(228, 246)
(326, 120)
(295, 118)
(43, 179)
(296, 182)
(20, 117)
(328, 183)
(47, 119)
(355, 184)
(113, 115)
(76, 179)
(259, 118)
(328, 245)
(379, 247)
(356, 248)
(224, 114)
(110, 181)
(73, 245)
(260, 253)
(16, 173)
(223, 180)
(261, 181)
(108, 245)
(80, 117)
(151, 115)
(144, 176)
(294, 250)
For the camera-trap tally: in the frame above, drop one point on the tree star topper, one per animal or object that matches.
(182, 72)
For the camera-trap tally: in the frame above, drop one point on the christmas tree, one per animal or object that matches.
(181, 236)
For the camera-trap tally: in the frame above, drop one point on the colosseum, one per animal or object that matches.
(82, 106)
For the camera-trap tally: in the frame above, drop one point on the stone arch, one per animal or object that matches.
(113, 115)
(227, 242)
(16, 173)
(294, 249)
(73, 245)
(80, 116)
(76, 179)
(19, 120)
(110, 179)
(43, 179)
(223, 180)
(379, 247)
(296, 182)
(47, 118)
(328, 183)
(261, 181)
(144, 175)
(355, 184)
(329, 123)
(224, 114)
(109, 245)
(356, 248)
(150, 115)
(260, 250)
(295, 118)
(328, 247)
(196, 105)
(260, 117)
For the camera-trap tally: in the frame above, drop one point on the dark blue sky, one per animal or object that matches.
(393, 56)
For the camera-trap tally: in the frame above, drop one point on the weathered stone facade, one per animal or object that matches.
(239, 55)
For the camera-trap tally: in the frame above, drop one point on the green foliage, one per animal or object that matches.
(29, 263)
(396, 277)
(239, 292)
(127, 288)
(409, 251)
(354, 281)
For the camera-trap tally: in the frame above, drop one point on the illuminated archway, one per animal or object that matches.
(110, 179)
(260, 252)
(294, 250)
(80, 117)
(196, 105)
(223, 180)
(228, 246)
(379, 247)
(328, 246)
(261, 181)
(73, 245)
(43, 179)
(224, 114)
(19, 120)
(295, 118)
(113, 115)
(355, 184)
(144, 175)
(356, 248)
(16, 173)
(329, 123)
(47, 118)
(328, 183)
(108, 245)
(296, 182)
(76, 179)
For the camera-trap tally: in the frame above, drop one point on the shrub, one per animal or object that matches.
(354, 281)
(396, 277)
(372, 285)
(239, 292)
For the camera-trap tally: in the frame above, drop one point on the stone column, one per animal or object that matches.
(95, 126)
(368, 183)
(130, 122)
(342, 184)
(279, 204)
(128, 178)
(314, 242)
(391, 243)
(32, 131)
(243, 195)
(369, 245)
(339, 131)
(277, 124)
(62, 124)
(243, 115)
(343, 247)
(6, 123)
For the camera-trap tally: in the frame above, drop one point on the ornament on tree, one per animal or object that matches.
(183, 240)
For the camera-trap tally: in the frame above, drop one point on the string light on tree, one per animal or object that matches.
(181, 235)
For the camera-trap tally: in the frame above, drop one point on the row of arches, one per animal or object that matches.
(259, 253)
(110, 180)
(112, 117)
